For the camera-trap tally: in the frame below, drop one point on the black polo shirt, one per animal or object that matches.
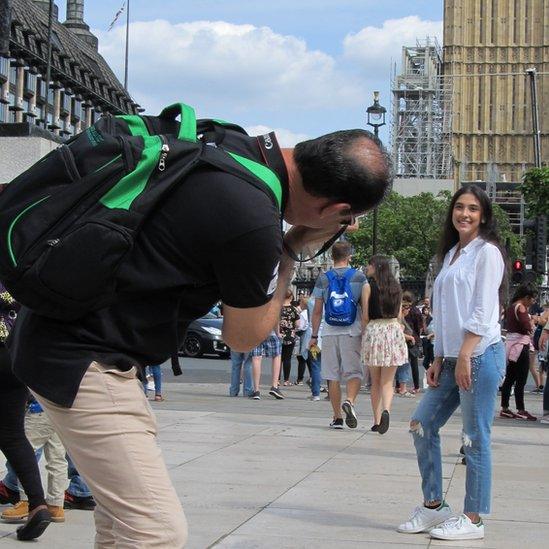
(217, 237)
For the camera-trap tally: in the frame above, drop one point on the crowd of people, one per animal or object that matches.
(465, 360)
(87, 401)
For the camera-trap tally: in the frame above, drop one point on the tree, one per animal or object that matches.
(409, 229)
(535, 190)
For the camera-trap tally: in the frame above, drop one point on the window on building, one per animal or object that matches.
(13, 75)
(30, 83)
(76, 109)
(4, 68)
(3, 112)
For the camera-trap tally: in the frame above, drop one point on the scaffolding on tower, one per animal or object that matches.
(422, 114)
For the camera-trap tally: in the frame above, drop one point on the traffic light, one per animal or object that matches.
(518, 271)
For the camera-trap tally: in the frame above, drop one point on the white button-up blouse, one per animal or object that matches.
(466, 298)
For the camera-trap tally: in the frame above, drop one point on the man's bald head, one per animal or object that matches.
(349, 166)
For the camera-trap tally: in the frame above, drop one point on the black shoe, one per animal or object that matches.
(78, 502)
(8, 495)
(337, 423)
(35, 526)
(277, 393)
(256, 395)
(350, 415)
(374, 428)
(384, 423)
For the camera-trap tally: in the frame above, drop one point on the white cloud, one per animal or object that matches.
(374, 47)
(226, 67)
(286, 138)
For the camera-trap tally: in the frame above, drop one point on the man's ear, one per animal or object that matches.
(336, 210)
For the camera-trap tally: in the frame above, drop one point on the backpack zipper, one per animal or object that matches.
(70, 163)
(164, 151)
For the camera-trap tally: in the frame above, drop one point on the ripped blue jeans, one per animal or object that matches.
(477, 411)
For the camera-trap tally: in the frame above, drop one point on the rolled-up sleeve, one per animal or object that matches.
(488, 275)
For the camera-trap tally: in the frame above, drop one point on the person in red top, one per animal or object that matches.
(517, 348)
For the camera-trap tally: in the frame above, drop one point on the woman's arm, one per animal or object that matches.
(365, 300)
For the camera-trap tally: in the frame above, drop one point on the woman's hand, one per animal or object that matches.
(463, 372)
(433, 372)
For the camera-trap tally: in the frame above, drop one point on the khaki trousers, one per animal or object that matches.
(41, 434)
(110, 434)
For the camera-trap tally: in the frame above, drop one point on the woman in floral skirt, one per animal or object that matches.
(383, 344)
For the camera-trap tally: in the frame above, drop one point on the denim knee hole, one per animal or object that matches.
(416, 428)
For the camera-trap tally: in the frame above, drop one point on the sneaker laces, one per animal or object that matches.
(453, 522)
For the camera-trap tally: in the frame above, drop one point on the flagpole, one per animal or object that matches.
(127, 44)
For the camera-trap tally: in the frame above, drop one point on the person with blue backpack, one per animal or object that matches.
(120, 238)
(338, 292)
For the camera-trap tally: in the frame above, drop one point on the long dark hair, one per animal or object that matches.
(390, 292)
(487, 231)
(524, 290)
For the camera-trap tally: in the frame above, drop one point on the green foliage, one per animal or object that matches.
(535, 189)
(511, 240)
(409, 229)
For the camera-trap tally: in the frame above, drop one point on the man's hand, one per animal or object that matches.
(309, 240)
(463, 372)
(433, 372)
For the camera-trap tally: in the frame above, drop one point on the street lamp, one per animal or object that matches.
(376, 119)
(376, 114)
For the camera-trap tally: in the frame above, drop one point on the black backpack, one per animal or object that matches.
(69, 221)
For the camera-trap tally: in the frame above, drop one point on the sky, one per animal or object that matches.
(299, 67)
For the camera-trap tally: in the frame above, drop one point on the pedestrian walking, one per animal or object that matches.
(78, 494)
(414, 319)
(544, 349)
(270, 348)
(468, 367)
(156, 372)
(241, 373)
(289, 318)
(44, 440)
(304, 332)
(13, 441)
(517, 349)
(217, 238)
(340, 290)
(383, 342)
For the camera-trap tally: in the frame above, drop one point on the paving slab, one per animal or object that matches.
(271, 474)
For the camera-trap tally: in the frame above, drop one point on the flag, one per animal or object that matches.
(117, 15)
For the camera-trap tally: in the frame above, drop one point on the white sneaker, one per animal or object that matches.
(423, 519)
(457, 528)
(545, 419)
(314, 398)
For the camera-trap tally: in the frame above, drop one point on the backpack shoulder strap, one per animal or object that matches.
(349, 273)
(257, 174)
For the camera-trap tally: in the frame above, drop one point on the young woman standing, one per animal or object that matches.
(468, 367)
(383, 344)
(517, 348)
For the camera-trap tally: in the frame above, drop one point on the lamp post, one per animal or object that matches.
(376, 119)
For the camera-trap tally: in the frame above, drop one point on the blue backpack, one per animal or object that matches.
(340, 307)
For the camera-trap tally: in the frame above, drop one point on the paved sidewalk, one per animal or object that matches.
(270, 474)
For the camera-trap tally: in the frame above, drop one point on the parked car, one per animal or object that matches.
(204, 337)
